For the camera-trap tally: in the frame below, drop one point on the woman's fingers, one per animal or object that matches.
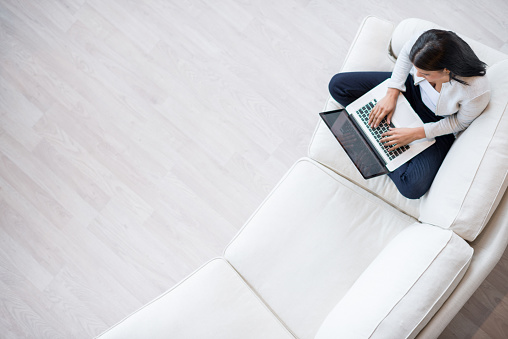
(389, 139)
(384, 108)
(389, 117)
(372, 115)
(376, 116)
(398, 137)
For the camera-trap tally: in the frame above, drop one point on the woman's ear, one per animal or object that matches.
(448, 73)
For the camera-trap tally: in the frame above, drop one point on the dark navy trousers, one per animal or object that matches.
(413, 179)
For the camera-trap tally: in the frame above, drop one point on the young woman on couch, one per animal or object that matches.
(445, 83)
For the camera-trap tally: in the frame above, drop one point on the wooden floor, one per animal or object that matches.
(136, 137)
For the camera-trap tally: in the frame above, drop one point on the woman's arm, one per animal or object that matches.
(459, 121)
(454, 123)
(403, 65)
(396, 84)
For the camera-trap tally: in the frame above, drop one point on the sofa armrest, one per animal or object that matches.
(402, 289)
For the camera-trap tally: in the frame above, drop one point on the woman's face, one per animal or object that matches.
(434, 76)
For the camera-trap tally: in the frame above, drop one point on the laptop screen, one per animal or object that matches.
(356, 147)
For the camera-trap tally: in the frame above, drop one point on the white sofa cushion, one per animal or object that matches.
(403, 288)
(309, 241)
(213, 302)
(473, 176)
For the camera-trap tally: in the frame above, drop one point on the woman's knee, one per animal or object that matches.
(411, 183)
(338, 88)
(346, 87)
(413, 191)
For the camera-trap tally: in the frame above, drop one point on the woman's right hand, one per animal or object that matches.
(384, 108)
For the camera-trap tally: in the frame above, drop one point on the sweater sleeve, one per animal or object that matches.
(402, 66)
(459, 121)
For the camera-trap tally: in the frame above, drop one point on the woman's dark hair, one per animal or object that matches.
(436, 50)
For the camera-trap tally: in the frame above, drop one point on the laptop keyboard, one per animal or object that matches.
(383, 127)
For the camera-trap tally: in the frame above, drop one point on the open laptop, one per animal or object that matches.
(361, 142)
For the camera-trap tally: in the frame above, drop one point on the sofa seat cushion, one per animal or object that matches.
(309, 241)
(403, 288)
(213, 302)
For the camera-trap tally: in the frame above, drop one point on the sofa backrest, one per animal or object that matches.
(473, 176)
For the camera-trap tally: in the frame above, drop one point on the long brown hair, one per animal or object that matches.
(437, 49)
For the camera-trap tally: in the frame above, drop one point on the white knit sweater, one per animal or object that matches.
(459, 104)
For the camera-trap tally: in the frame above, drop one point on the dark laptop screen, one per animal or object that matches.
(356, 147)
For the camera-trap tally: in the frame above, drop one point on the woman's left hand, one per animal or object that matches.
(398, 137)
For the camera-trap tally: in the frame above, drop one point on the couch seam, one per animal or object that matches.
(260, 299)
(181, 282)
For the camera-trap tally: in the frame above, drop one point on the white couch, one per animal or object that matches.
(330, 255)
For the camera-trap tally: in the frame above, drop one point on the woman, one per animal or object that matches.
(445, 83)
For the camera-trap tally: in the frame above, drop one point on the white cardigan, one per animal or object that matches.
(459, 104)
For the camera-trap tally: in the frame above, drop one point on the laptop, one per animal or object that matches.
(361, 142)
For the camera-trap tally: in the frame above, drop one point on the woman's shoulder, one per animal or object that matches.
(479, 81)
(412, 39)
(474, 86)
